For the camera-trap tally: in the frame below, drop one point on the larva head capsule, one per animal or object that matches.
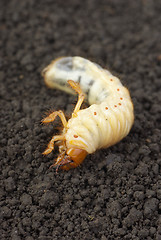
(71, 159)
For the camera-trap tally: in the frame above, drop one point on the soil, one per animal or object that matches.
(116, 192)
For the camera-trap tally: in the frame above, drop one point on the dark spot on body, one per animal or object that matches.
(87, 92)
(91, 83)
(60, 82)
(65, 64)
(79, 79)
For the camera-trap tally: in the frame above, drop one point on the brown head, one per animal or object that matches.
(73, 158)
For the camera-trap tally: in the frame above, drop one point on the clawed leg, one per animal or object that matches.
(50, 146)
(81, 96)
(53, 115)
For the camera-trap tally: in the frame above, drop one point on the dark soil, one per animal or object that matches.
(116, 193)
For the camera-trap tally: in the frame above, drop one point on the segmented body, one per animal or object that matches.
(109, 117)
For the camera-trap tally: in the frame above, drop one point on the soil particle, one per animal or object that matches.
(150, 206)
(49, 197)
(133, 216)
(139, 195)
(5, 212)
(9, 184)
(26, 199)
(116, 192)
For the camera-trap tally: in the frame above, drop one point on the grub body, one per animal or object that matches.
(110, 115)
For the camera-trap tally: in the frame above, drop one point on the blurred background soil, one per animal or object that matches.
(116, 192)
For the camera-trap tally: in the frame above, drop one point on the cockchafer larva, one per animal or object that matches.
(105, 122)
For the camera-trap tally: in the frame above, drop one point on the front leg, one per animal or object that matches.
(81, 96)
(53, 115)
(50, 146)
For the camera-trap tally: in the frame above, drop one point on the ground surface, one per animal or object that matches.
(116, 193)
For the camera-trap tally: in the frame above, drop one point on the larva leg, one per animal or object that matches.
(81, 97)
(53, 115)
(50, 146)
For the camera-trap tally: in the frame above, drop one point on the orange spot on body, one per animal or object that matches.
(95, 113)
(121, 98)
(119, 104)
(111, 80)
(75, 136)
(106, 108)
(118, 89)
(115, 105)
